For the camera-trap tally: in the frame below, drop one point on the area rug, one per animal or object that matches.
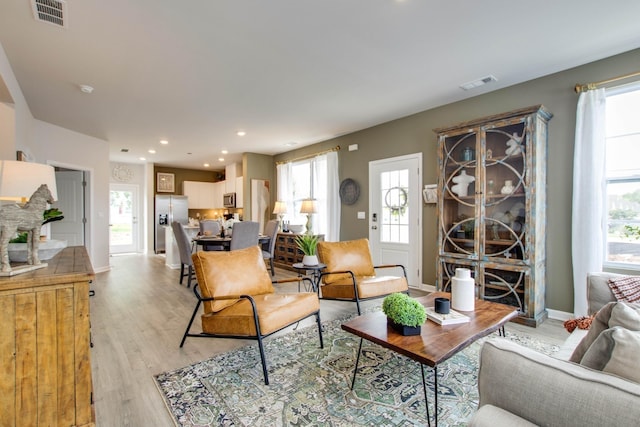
(310, 386)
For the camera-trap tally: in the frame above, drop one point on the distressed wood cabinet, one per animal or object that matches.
(286, 252)
(45, 365)
(491, 195)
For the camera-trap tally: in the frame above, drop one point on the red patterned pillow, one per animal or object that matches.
(626, 288)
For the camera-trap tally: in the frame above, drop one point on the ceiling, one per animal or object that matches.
(288, 72)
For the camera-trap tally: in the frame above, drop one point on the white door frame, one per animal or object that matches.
(414, 269)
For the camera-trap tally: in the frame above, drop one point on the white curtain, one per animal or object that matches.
(588, 193)
(333, 198)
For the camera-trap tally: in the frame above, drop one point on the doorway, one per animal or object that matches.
(71, 186)
(123, 218)
(395, 231)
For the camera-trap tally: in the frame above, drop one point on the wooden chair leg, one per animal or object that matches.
(190, 275)
(181, 272)
(273, 271)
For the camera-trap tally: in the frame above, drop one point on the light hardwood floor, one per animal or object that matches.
(138, 316)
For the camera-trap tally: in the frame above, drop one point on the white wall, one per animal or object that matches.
(61, 147)
(50, 144)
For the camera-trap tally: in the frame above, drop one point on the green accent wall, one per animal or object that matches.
(415, 134)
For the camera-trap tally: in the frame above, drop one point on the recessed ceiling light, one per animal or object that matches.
(164, 142)
(86, 89)
(224, 151)
(241, 133)
(152, 151)
(142, 158)
(291, 144)
(221, 159)
(206, 165)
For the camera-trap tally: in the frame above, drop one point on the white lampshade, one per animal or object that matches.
(19, 180)
(280, 208)
(309, 206)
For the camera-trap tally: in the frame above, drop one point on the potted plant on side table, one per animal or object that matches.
(404, 314)
(307, 243)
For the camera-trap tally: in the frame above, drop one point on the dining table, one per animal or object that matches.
(217, 242)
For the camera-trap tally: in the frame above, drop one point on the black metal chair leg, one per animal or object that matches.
(263, 360)
(319, 329)
(424, 389)
(193, 316)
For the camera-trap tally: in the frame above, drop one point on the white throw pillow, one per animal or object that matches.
(615, 351)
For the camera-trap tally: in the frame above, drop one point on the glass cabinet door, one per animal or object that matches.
(505, 199)
(458, 210)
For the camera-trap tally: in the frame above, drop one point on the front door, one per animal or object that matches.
(395, 232)
(123, 218)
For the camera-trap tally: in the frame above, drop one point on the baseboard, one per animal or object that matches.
(102, 269)
(559, 315)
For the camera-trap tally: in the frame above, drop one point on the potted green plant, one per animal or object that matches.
(404, 314)
(307, 244)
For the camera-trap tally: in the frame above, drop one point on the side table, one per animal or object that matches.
(316, 270)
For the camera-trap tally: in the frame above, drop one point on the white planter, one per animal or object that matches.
(310, 260)
(46, 250)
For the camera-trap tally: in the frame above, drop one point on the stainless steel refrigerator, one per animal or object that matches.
(169, 209)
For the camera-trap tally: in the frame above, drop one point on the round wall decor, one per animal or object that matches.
(122, 173)
(349, 191)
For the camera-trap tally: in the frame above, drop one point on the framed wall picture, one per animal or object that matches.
(166, 183)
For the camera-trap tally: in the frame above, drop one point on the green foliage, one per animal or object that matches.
(53, 214)
(307, 243)
(404, 310)
(632, 231)
(632, 197)
(21, 238)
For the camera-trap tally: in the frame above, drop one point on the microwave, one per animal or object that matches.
(229, 200)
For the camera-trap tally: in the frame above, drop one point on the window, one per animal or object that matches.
(312, 178)
(623, 177)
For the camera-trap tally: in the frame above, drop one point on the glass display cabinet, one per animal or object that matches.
(491, 200)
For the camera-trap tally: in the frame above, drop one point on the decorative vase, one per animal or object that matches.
(403, 329)
(508, 187)
(310, 260)
(463, 290)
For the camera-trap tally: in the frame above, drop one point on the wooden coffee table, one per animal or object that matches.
(436, 343)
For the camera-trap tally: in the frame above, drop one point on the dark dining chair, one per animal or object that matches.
(271, 230)
(184, 248)
(244, 235)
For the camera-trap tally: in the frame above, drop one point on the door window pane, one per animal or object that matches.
(394, 224)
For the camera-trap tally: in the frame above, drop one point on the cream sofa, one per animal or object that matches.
(522, 387)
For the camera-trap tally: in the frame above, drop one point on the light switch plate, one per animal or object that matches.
(362, 215)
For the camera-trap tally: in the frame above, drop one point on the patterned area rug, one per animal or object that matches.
(310, 386)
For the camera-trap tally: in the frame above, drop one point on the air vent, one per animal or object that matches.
(50, 11)
(479, 82)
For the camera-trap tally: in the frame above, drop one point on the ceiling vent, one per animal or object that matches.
(50, 11)
(479, 82)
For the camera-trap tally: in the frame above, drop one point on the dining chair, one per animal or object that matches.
(271, 230)
(184, 248)
(244, 234)
(210, 227)
(351, 276)
(239, 300)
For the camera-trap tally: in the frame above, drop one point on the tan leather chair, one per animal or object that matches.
(240, 300)
(350, 274)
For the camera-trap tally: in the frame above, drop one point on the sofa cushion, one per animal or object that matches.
(615, 351)
(492, 416)
(625, 288)
(613, 314)
(548, 391)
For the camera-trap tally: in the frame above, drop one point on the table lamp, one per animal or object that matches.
(19, 180)
(309, 207)
(280, 209)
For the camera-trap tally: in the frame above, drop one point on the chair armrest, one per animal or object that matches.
(201, 299)
(548, 391)
(404, 270)
(328, 273)
(292, 279)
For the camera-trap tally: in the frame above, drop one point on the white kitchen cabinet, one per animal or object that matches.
(218, 192)
(201, 194)
(239, 192)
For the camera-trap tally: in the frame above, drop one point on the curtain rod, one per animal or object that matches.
(309, 156)
(591, 86)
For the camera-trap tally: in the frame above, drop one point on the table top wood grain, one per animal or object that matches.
(436, 343)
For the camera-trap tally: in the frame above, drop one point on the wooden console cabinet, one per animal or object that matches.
(45, 365)
(286, 252)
